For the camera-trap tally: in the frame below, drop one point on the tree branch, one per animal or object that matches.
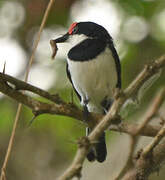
(131, 128)
(61, 108)
(37, 106)
(21, 85)
(146, 165)
(112, 115)
(151, 112)
(149, 149)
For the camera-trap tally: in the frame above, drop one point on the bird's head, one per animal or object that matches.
(83, 30)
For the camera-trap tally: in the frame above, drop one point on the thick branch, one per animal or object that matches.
(63, 108)
(131, 128)
(21, 85)
(37, 106)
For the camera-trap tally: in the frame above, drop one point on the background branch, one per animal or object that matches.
(145, 166)
(131, 128)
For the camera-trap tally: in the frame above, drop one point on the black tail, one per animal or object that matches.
(98, 151)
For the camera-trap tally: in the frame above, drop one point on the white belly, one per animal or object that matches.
(95, 79)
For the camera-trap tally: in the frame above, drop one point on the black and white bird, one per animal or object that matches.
(93, 68)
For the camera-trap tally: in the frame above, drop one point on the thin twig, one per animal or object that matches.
(2, 177)
(161, 133)
(148, 149)
(153, 110)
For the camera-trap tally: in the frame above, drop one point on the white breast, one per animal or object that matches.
(94, 79)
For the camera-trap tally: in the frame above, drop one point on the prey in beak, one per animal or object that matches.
(63, 38)
(54, 42)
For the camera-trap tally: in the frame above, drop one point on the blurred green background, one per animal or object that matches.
(44, 150)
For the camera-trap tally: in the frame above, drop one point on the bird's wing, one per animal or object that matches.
(117, 62)
(69, 77)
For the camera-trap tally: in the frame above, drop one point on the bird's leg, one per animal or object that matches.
(85, 110)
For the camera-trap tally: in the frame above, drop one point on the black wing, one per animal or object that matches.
(117, 62)
(69, 77)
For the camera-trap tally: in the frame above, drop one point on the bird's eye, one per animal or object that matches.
(75, 30)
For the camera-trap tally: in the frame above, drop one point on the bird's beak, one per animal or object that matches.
(62, 39)
(54, 42)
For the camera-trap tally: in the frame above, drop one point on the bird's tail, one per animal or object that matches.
(98, 151)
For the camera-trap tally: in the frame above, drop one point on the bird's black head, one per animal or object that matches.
(89, 29)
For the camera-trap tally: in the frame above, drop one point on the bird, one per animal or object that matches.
(94, 70)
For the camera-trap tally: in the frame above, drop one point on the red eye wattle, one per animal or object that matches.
(72, 27)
